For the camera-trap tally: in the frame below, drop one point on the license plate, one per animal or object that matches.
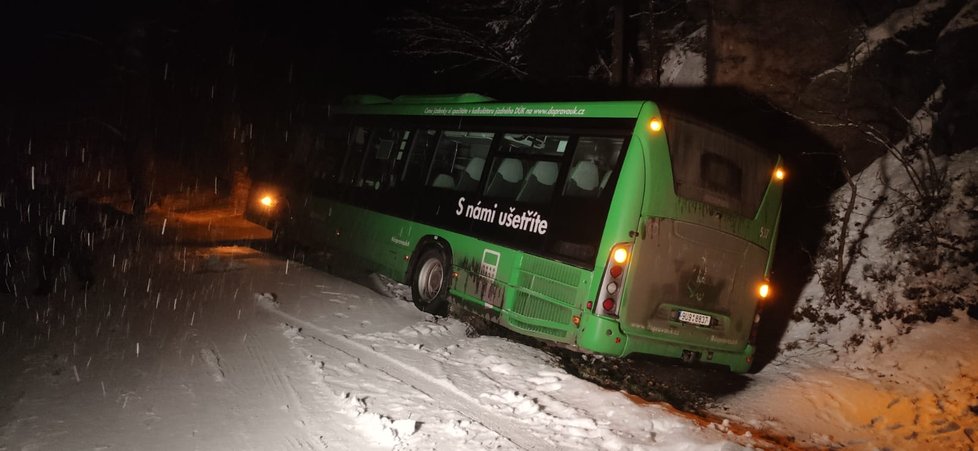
(694, 318)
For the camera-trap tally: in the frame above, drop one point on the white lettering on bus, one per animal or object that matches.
(527, 221)
(493, 110)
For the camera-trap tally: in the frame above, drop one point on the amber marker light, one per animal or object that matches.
(655, 124)
(619, 255)
(267, 201)
(763, 290)
(779, 174)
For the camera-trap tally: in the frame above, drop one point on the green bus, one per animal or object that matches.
(610, 227)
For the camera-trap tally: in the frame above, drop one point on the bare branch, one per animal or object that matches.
(462, 35)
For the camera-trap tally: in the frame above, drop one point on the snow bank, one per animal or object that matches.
(893, 365)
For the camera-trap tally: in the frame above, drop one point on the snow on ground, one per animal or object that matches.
(918, 396)
(866, 383)
(188, 346)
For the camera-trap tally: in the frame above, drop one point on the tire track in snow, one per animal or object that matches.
(467, 405)
(282, 388)
(269, 373)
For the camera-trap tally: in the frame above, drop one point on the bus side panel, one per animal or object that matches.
(369, 240)
(481, 270)
(596, 333)
(544, 298)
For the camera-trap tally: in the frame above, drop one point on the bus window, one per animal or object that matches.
(539, 184)
(714, 167)
(527, 144)
(507, 177)
(387, 148)
(721, 175)
(356, 143)
(459, 160)
(528, 167)
(595, 159)
(416, 163)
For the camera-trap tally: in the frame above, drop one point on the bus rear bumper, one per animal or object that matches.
(604, 336)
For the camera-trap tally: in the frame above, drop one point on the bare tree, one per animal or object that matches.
(472, 34)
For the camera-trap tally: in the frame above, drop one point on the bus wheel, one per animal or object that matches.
(429, 286)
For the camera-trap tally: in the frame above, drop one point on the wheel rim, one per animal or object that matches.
(430, 279)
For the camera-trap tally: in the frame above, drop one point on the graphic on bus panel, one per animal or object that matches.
(490, 263)
(479, 278)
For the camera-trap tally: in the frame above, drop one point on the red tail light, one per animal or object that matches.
(613, 281)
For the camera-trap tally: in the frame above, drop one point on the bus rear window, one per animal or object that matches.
(721, 175)
(717, 168)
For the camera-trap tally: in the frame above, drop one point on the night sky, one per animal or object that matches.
(68, 60)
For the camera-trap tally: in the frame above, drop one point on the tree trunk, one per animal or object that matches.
(648, 62)
(842, 267)
(618, 45)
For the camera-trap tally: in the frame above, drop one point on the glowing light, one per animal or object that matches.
(655, 125)
(267, 201)
(763, 290)
(779, 174)
(576, 320)
(620, 255)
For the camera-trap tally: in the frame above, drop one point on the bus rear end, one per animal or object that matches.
(691, 281)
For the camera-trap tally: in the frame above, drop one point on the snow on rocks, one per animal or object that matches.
(379, 428)
(906, 381)
(266, 300)
(291, 332)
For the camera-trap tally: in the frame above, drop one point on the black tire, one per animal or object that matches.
(429, 282)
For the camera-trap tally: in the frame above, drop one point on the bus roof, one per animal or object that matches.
(476, 105)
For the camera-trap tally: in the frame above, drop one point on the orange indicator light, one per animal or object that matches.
(655, 125)
(267, 201)
(619, 255)
(779, 174)
(763, 290)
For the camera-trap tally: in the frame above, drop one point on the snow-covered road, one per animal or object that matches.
(183, 347)
(186, 344)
